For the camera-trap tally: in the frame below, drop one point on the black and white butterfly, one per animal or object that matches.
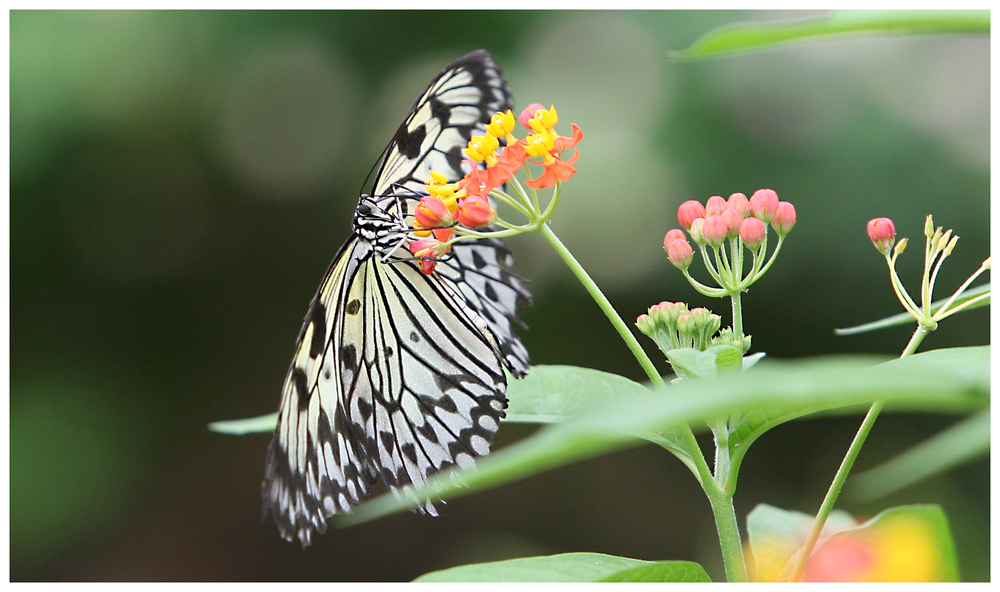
(398, 374)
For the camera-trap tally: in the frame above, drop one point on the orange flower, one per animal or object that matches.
(556, 171)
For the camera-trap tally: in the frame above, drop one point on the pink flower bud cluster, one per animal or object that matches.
(672, 325)
(720, 219)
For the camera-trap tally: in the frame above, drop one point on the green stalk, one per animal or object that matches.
(602, 301)
(845, 468)
(729, 533)
(720, 499)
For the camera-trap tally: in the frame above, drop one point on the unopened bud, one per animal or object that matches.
(900, 246)
(733, 220)
(672, 235)
(714, 230)
(784, 219)
(715, 206)
(695, 231)
(690, 211)
(646, 325)
(764, 204)
(686, 324)
(951, 246)
(882, 233)
(929, 226)
(752, 232)
(680, 253)
(740, 203)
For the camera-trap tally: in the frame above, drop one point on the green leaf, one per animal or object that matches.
(941, 380)
(904, 318)
(251, 425)
(745, 37)
(567, 567)
(662, 571)
(959, 444)
(906, 543)
(551, 393)
(691, 362)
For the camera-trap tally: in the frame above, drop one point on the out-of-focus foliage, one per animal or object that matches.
(179, 181)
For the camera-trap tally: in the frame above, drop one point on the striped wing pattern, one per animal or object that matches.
(398, 374)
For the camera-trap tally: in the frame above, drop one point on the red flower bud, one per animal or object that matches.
(673, 235)
(690, 211)
(715, 206)
(752, 232)
(882, 232)
(740, 203)
(733, 221)
(764, 204)
(432, 213)
(784, 219)
(714, 230)
(475, 211)
(680, 254)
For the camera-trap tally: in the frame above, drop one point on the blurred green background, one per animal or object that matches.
(179, 181)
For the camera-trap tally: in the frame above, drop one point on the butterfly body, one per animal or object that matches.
(399, 374)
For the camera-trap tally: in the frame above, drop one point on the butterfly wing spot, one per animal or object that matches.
(398, 375)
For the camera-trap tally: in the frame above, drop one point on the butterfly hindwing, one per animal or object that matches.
(429, 390)
(398, 374)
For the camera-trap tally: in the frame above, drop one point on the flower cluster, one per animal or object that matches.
(939, 245)
(734, 221)
(450, 210)
(673, 326)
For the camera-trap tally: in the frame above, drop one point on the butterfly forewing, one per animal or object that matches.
(457, 105)
(398, 374)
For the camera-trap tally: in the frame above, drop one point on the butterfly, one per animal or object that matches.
(399, 374)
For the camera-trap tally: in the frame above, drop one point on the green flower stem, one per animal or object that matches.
(845, 468)
(966, 304)
(833, 493)
(958, 292)
(737, 314)
(602, 301)
(712, 271)
(720, 499)
(706, 290)
(777, 249)
(729, 533)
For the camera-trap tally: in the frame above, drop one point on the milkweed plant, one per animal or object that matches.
(719, 384)
(715, 386)
(730, 238)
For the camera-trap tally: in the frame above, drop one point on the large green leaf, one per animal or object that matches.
(571, 567)
(549, 394)
(662, 571)
(744, 37)
(954, 380)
